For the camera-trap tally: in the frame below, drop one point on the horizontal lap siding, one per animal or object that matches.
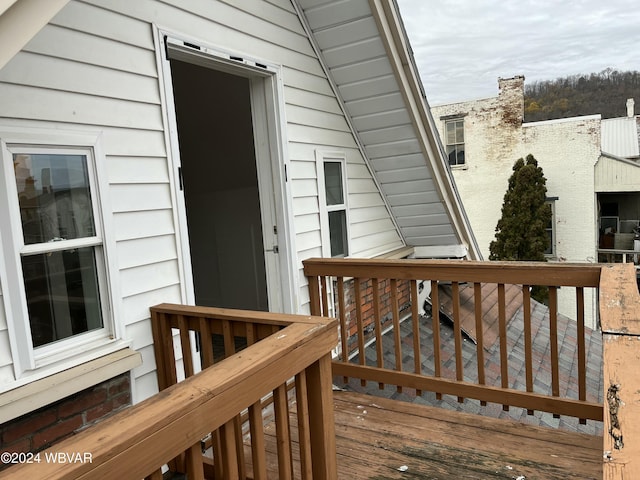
(94, 67)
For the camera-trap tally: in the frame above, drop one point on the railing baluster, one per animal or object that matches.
(185, 344)
(206, 342)
(324, 294)
(302, 407)
(528, 340)
(283, 433)
(321, 419)
(194, 468)
(457, 333)
(504, 358)
(218, 455)
(228, 443)
(435, 322)
(553, 340)
(362, 359)
(477, 304)
(582, 354)
(242, 465)
(314, 295)
(377, 318)
(229, 342)
(258, 449)
(344, 332)
(396, 328)
(163, 349)
(415, 319)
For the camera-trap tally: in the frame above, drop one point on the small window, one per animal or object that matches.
(54, 250)
(550, 251)
(333, 189)
(454, 140)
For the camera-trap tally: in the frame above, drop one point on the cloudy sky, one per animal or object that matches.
(463, 46)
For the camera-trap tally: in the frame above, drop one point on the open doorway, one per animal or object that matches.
(220, 183)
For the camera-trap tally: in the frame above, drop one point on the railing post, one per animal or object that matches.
(620, 321)
(321, 419)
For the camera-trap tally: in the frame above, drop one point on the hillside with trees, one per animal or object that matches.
(605, 93)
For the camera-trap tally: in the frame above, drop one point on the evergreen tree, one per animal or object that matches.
(521, 232)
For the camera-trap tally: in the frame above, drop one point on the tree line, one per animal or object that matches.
(605, 93)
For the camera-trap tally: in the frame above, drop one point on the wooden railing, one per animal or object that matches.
(620, 320)
(245, 356)
(372, 286)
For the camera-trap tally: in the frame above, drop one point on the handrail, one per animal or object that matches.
(620, 321)
(136, 442)
(375, 285)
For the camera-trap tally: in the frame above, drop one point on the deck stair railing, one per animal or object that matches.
(245, 357)
(361, 291)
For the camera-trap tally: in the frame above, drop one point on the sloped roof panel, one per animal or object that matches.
(353, 50)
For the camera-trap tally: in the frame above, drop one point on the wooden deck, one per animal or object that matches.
(377, 436)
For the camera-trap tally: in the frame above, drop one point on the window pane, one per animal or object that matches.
(459, 131)
(62, 294)
(451, 133)
(333, 183)
(338, 233)
(54, 197)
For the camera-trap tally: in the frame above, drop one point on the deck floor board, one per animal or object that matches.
(376, 436)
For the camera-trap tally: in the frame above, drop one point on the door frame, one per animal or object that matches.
(269, 128)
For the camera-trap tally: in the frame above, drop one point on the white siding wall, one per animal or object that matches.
(94, 66)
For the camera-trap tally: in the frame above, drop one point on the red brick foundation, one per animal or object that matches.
(40, 429)
(368, 320)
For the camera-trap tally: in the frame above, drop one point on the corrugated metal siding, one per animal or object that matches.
(620, 137)
(348, 37)
(616, 175)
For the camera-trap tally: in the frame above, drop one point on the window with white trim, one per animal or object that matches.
(54, 249)
(333, 193)
(454, 140)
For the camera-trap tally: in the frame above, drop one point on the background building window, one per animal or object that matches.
(550, 251)
(454, 136)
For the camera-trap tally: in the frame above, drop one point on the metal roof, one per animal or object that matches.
(620, 137)
(366, 55)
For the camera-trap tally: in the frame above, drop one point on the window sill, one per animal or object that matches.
(464, 166)
(44, 391)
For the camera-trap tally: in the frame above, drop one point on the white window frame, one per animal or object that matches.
(32, 363)
(323, 157)
(455, 144)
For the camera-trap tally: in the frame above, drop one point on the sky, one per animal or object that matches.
(462, 47)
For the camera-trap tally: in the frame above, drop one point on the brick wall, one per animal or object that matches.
(40, 429)
(386, 315)
(566, 149)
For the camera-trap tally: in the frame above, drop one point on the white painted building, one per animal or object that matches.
(196, 152)
(484, 138)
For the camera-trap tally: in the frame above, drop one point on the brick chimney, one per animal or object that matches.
(511, 98)
(631, 107)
